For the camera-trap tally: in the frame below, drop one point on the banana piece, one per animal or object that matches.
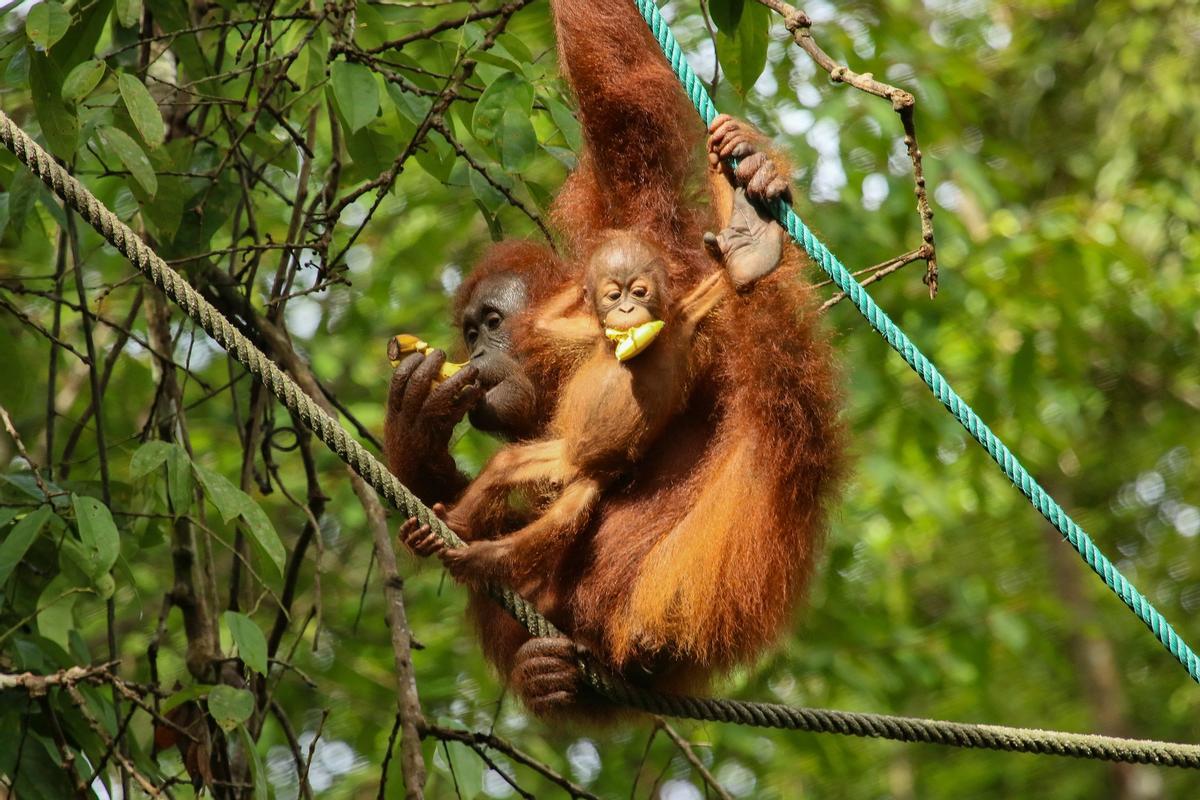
(634, 340)
(402, 344)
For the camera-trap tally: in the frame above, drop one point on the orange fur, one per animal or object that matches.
(692, 563)
(608, 414)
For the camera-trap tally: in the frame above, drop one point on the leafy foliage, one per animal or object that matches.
(291, 169)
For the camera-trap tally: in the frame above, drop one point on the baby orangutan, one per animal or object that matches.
(616, 403)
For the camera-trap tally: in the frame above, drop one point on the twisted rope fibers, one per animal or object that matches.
(879, 320)
(906, 729)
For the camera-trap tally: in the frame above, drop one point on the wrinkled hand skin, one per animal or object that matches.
(420, 420)
(751, 247)
(756, 171)
(547, 677)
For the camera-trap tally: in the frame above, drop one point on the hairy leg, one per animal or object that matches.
(515, 465)
(520, 554)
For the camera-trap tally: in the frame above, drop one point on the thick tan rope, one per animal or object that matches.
(329, 431)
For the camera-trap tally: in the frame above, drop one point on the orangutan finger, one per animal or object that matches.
(733, 143)
(421, 382)
(400, 377)
(778, 188)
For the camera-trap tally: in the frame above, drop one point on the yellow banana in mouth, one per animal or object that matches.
(634, 340)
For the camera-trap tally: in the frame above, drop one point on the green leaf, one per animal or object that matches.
(251, 644)
(179, 480)
(371, 150)
(46, 24)
(571, 130)
(164, 212)
(56, 610)
(487, 194)
(142, 109)
(230, 707)
(726, 13)
(41, 775)
(88, 23)
(495, 230)
(412, 108)
(15, 545)
(82, 80)
(356, 93)
(149, 457)
(229, 499)
(129, 12)
(79, 647)
(97, 532)
(508, 93)
(121, 146)
(743, 54)
(258, 772)
(185, 695)
(59, 124)
(264, 535)
(517, 140)
(466, 768)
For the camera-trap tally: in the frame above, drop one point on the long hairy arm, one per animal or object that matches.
(642, 143)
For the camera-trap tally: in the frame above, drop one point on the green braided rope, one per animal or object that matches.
(77, 197)
(905, 729)
(941, 389)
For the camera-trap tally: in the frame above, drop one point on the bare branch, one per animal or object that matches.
(799, 26)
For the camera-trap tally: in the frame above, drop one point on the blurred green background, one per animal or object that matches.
(1060, 142)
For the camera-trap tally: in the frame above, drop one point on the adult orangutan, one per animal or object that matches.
(692, 562)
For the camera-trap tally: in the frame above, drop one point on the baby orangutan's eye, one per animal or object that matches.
(640, 292)
(613, 296)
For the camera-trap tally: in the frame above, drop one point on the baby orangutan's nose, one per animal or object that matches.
(626, 309)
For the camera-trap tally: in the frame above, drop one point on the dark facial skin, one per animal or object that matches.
(627, 284)
(508, 407)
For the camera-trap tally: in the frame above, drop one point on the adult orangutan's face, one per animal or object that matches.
(509, 406)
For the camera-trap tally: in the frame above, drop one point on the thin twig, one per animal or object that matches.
(55, 341)
(20, 445)
(799, 26)
(881, 271)
(439, 125)
(473, 739)
(685, 747)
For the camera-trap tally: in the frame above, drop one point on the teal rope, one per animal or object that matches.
(941, 389)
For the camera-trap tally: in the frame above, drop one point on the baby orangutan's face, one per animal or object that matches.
(627, 281)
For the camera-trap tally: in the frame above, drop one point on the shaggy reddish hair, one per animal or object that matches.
(694, 564)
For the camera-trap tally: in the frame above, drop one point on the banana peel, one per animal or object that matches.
(403, 344)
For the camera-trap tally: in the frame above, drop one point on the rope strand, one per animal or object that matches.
(337, 439)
